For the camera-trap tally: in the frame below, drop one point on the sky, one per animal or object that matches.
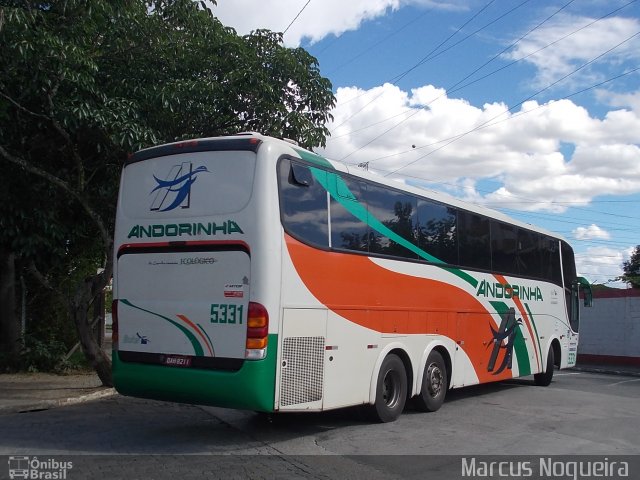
(531, 107)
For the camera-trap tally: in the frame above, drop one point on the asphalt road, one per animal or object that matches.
(578, 414)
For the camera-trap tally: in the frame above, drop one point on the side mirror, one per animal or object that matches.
(584, 285)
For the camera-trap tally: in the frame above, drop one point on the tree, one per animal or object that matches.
(85, 82)
(631, 269)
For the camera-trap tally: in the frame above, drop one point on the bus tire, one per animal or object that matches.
(544, 379)
(391, 390)
(434, 384)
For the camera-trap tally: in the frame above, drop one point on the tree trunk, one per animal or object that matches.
(87, 292)
(9, 324)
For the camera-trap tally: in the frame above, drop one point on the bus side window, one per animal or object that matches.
(574, 313)
(347, 230)
(551, 260)
(474, 239)
(437, 230)
(303, 203)
(570, 286)
(397, 211)
(529, 253)
(503, 248)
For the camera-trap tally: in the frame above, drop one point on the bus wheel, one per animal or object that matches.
(544, 379)
(391, 390)
(434, 384)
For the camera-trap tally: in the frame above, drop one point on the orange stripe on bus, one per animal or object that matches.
(356, 288)
(192, 325)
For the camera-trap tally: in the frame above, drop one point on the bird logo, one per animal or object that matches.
(175, 189)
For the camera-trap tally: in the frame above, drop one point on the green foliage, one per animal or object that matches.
(85, 82)
(47, 354)
(42, 355)
(631, 269)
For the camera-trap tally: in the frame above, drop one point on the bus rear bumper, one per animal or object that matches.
(252, 387)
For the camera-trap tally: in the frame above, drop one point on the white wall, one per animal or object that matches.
(611, 327)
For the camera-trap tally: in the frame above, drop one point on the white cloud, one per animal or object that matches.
(318, 19)
(523, 150)
(602, 264)
(591, 232)
(569, 41)
(624, 100)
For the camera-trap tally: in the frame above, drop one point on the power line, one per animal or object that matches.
(296, 17)
(399, 77)
(530, 97)
(456, 88)
(431, 55)
(524, 200)
(453, 88)
(469, 75)
(516, 115)
(415, 111)
(513, 44)
(383, 40)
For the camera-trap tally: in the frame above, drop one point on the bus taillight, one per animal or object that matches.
(257, 332)
(114, 324)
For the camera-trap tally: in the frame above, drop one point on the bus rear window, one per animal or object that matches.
(193, 184)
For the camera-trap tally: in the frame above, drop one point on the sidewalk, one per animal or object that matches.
(24, 392)
(610, 369)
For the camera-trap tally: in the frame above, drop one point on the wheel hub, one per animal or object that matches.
(434, 374)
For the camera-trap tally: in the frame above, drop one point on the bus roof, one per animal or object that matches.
(252, 141)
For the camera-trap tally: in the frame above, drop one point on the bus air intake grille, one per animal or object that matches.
(302, 370)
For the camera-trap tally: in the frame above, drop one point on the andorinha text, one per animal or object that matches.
(184, 229)
(546, 467)
(499, 290)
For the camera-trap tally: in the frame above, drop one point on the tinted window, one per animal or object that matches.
(451, 236)
(570, 286)
(503, 248)
(475, 247)
(347, 231)
(550, 260)
(396, 211)
(529, 253)
(568, 265)
(437, 231)
(304, 203)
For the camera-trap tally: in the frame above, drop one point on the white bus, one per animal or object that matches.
(253, 274)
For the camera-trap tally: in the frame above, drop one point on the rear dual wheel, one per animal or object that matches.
(434, 384)
(391, 390)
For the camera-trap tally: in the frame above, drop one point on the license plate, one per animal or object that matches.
(177, 361)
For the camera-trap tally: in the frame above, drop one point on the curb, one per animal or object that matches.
(63, 402)
(606, 370)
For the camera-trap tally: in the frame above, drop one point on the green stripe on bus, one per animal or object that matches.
(537, 339)
(208, 338)
(313, 158)
(332, 183)
(250, 388)
(519, 345)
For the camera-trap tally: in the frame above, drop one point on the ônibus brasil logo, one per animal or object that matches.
(175, 190)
